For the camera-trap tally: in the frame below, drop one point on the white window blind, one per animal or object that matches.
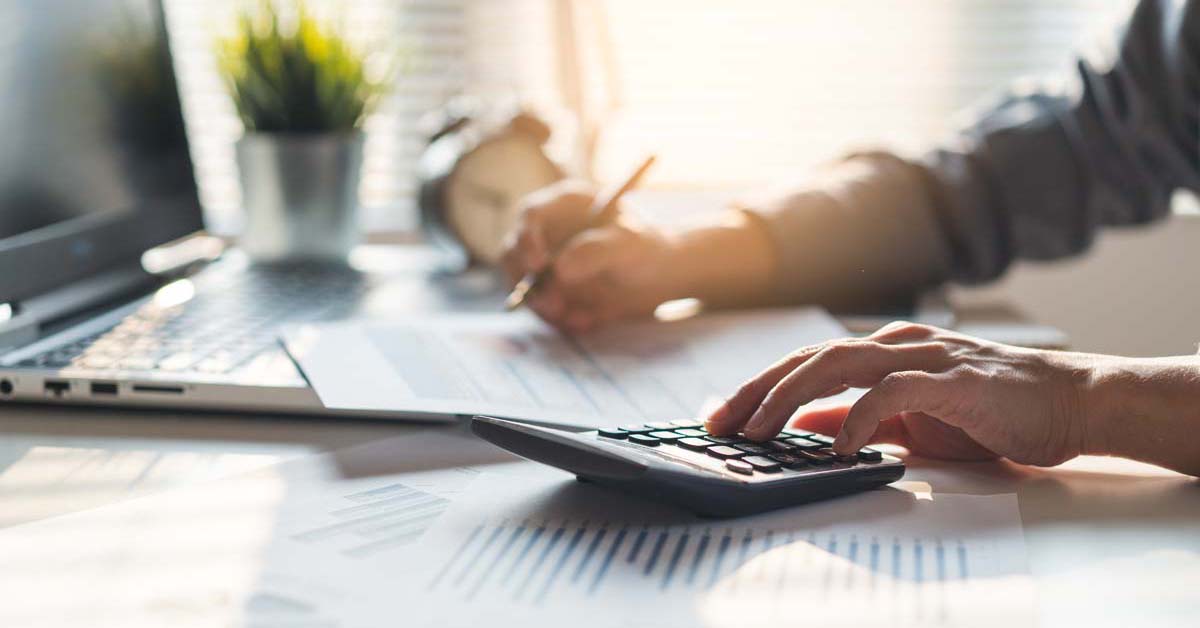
(733, 94)
(727, 94)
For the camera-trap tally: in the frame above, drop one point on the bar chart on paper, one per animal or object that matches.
(537, 563)
(718, 573)
(374, 520)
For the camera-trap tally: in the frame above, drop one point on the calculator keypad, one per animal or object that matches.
(644, 439)
(791, 450)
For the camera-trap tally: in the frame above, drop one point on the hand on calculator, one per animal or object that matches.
(938, 393)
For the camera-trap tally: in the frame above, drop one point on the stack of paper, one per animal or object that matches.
(512, 365)
(438, 529)
(553, 553)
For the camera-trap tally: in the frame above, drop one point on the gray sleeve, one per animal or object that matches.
(1034, 178)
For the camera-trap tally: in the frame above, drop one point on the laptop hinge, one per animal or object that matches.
(30, 318)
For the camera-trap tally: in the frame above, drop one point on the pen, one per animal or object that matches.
(602, 212)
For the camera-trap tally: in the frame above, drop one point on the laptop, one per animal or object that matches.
(94, 172)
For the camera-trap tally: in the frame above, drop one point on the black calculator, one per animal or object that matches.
(679, 462)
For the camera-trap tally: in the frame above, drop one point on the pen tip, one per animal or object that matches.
(516, 298)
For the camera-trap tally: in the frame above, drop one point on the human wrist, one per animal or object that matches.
(1105, 389)
(727, 261)
(1144, 409)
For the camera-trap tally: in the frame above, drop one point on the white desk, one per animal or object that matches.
(1111, 543)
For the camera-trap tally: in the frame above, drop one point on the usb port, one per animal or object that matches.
(159, 390)
(56, 387)
(104, 388)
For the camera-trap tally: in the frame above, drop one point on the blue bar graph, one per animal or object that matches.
(486, 573)
(616, 546)
(587, 555)
(700, 549)
(675, 556)
(540, 562)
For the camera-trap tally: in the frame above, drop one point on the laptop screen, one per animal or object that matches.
(94, 164)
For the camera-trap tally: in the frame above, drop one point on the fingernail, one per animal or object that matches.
(840, 443)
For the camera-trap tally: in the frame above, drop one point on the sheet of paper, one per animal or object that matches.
(513, 365)
(44, 476)
(286, 545)
(557, 552)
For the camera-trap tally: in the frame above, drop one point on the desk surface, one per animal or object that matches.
(1111, 542)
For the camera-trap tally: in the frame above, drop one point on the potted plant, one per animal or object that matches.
(302, 92)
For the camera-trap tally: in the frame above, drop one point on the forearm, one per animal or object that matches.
(860, 234)
(728, 261)
(1147, 409)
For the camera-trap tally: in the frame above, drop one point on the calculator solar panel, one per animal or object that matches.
(679, 462)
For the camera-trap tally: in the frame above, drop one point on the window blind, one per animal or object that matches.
(738, 94)
(728, 95)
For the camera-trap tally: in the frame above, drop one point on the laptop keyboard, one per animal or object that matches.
(791, 450)
(225, 325)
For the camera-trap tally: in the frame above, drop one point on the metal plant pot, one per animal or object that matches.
(300, 194)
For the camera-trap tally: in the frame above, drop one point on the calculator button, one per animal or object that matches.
(848, 458)
(617, 433)
(660, 425)
(779, 447)
(814, 457)
(723, 451)
(666, 437)
(694, 444)
(791, 461)
(803, 444)
(637, 429)
(644, 439)
(687, 424)
(739, 467)
(762, 463)
(820, 438)
(789, 431)
(692, 432)
(866, 454)
(751, 448)
(726, 440)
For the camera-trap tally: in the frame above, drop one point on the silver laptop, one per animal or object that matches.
(94, 172)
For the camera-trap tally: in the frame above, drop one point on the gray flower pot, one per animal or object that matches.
(300, 195)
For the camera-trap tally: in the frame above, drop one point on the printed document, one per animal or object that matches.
(515, 366)
(288, 545)
(556, 552)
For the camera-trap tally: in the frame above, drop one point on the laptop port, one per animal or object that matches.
(159, 390)
(56, 387)
(6, 387)
(104, 388)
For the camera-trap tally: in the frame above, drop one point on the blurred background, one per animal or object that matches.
(730, 96)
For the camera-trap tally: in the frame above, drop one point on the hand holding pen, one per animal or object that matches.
(603, 212)
(578, 261)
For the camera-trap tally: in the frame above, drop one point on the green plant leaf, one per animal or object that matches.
(295, 78)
